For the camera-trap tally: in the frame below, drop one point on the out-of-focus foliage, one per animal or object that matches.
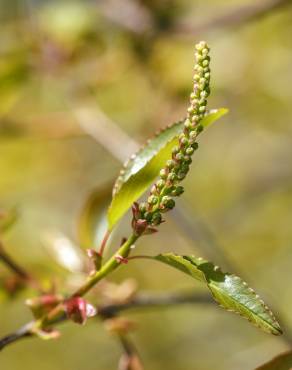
(127, 59)
(281, 362)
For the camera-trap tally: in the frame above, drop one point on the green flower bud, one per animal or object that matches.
(200, 128)
(177, 191)
(184, 168)
(170, 164)
(167, 202)
(163, 174)
(187, 159)
(148, 216)
(181, 175)
(205, 62)
(171, 177)
(183, 141)
(190, 150)
(143, 207)
(179, 157)
(195, 119)
(156, 218)
(160, 184)
(193, 134)
(152, 199)
(201, 46)
(199, 69)
(187, 124)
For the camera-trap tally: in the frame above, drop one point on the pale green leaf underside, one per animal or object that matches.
(230, 291)
(142, 169)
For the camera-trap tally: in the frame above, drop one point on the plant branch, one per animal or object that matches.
(141, 301)
(12, 265)
(112, 264)
(144, 300)
(130, 360)
(23, 332)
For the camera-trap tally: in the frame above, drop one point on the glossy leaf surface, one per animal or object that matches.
(230, 291)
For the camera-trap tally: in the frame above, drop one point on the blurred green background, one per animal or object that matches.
(80, 83)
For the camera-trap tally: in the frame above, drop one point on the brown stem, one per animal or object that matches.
(130, 359)
(13, 266)
(17, 269)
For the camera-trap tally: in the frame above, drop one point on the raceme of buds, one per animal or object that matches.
(160, 200)
(78, 309)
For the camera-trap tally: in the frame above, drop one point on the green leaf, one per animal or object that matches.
(142, 168)
(281, 362)
(230, 291)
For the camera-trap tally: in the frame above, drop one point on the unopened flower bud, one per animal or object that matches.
(181, 175)
(143, 207)
(171, 177)
(179, 157)
(163, 174)
(187, 124)
(190, 150)
(170, 164)
(177, 191)
(167, 202)
(152, 199)
(187, 159)
(156, 219)
(160, 184)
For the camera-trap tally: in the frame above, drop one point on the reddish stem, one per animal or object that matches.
(103, 243)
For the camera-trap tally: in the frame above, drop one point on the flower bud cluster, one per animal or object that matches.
(167, 187)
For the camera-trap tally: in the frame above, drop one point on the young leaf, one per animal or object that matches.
(142, 169)
(230, 291)
(281, 362)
